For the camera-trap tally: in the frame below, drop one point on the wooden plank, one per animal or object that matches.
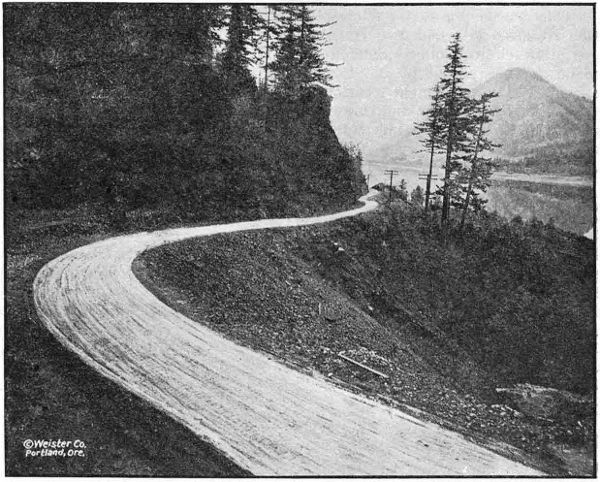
(364, 367)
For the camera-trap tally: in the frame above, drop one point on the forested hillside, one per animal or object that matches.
(154, 107)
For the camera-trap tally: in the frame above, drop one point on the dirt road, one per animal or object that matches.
(264, 416)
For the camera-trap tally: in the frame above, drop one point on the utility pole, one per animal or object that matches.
(392, 173)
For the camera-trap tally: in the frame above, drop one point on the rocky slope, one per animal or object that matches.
(439, 326)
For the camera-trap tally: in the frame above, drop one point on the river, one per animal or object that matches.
(567, 201)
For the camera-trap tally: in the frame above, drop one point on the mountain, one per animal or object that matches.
(537, 118)
(540, 127)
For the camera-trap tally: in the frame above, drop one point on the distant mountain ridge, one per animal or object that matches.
(540, 127)
(536, 116)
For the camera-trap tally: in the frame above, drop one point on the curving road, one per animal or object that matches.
(266, 417)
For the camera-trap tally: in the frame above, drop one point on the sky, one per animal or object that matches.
(393, 55)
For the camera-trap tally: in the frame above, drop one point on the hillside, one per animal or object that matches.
(540, 128)
(539, 122)
(116, 106)
(568, 207)
(449, 323)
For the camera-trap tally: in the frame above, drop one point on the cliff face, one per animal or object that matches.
(315, 163)
(128, 113)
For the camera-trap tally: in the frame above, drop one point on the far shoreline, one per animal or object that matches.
(548, 178)
(545, 178)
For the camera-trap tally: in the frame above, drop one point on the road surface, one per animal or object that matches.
(265, 416)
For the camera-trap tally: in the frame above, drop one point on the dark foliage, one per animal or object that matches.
(433, 129)
(456, 121)
(123, 107)
(456, 125)
(416, 196)
(241, 47)
(300, 62)
(518, 297)
(476, 175)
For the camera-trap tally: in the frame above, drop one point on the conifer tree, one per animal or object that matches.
(478, 171)
(402, 191)
(241, 46)
(456, 107)
(416, 196)
(432, 128)
(285, 48)
(271, 31)
(299, 59)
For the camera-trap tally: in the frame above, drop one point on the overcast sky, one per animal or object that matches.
(393, 55)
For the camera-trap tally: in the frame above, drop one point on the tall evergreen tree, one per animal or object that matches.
(456, 107)
(416, 196)
(270, 32)
(478, 171)
(432, 128)
(299, 59)
(241, 47)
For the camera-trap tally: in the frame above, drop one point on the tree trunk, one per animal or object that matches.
(446, 203)
(466, 205)
(428, 189)
(267, 31)
(432, 139)
(473, 166)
